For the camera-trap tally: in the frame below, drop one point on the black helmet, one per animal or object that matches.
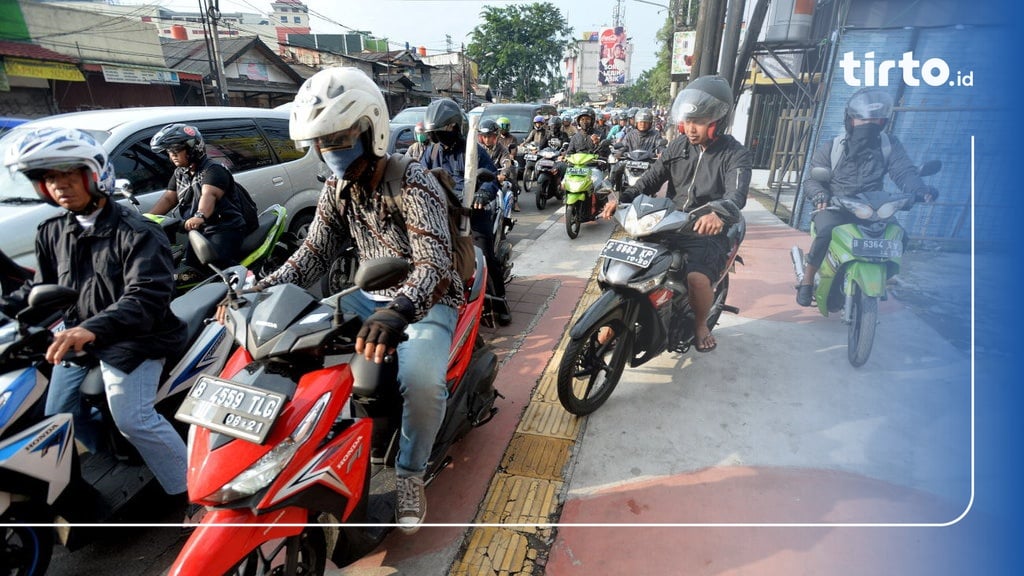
(707, 98)
(868, 104)
(180, 136)
(555, 121)
(487, 127)
(586, 111)
(444, 115)
(644, 115)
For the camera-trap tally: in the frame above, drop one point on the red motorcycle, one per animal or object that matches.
(293, 456)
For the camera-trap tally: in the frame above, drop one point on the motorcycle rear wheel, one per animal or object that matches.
(861, 333)
(589, 371)
(271, 557)
(572, 220)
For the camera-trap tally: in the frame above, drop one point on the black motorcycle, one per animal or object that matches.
(644, 306)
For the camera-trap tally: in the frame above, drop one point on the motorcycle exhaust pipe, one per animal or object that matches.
(797, 255)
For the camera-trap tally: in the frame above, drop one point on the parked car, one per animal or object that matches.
(402, 125)
(8, 122)
(252, 143)
(521, 118)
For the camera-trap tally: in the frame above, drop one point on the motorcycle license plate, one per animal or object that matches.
(638, 164)
(876, 248)
(577, 171)
(231, 409)
(529, 157)
(629, 252)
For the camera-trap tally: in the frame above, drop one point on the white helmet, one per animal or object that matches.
(61, 149)
(338, 99)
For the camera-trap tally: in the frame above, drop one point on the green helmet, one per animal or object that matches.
(504, 124)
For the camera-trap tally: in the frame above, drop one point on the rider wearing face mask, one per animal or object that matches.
(861, 167)
(417, 147)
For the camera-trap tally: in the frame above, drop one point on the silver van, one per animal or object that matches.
(252, 143)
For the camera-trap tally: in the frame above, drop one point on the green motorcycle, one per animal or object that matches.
(586, 190)
(861, 258)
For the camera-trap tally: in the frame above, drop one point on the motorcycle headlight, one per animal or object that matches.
(263, 471)
(888, 209)
(638, 227)
(859, 209)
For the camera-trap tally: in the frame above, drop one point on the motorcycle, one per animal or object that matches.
(530, 158)
(263, 250)
(586, 190)
(43, 479)
(547, 174)
(644, 307)
(637, 162)
(293, 456)
(861, 257)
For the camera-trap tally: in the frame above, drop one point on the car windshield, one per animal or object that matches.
(14, 187)
(410, 115)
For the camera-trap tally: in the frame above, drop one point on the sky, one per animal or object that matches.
(425, 22)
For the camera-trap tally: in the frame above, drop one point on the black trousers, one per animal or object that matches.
(824, 222)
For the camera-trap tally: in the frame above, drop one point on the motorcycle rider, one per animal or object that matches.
(706, 168)
(204, 193)
(555, 131)
(538, 135)
(861, 167)
(416, 149)
(342, 112)
(585, 139)
(487, 134)
(644, 137)
(446, 126)
(120, 264)
(505, 135)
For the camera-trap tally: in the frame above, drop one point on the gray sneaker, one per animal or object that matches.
(411, 508)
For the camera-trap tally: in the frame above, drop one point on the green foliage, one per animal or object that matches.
(651, 88)
(580, 99)
(518, 48)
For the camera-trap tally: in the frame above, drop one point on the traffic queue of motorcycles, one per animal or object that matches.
(292, 439)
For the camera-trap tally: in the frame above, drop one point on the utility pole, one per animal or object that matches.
(731, 39)
(213, 13)
(462, 61)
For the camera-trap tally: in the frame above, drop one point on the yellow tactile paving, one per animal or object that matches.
(520, 500)
(536, 456)
(498, 552)
(547, 419)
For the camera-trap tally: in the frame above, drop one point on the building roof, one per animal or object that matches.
(28, 50)
(190, 55)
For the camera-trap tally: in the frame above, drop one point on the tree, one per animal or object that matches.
(580, 99)
(518, 48)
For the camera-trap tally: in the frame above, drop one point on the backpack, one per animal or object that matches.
(463, 251)
(248, 206)
(837, 149)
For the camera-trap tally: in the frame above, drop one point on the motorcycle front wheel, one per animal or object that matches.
(541, 192)
(592, 366)
(572, 220)
(25, 551)
(310, 553)
(861, 333)
(528, 179)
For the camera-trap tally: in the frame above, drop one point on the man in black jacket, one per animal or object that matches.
(120, 264)
(863, 158)
(703, 168)
(644, 137)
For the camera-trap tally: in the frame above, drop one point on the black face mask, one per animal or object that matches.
(444, 138)
(864, 138)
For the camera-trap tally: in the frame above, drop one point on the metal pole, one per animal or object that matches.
(731, 41)
(213, 12)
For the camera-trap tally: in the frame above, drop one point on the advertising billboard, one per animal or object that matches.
(613, 67)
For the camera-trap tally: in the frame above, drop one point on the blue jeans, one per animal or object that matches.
(422, 370)
(131, 398)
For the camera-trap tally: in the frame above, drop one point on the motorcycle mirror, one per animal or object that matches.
(124, 186)
(930, 167)
(821, 174)
(51, 296)
(381, 273)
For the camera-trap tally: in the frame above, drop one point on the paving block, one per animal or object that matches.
(549, 419)
(536, 456)
(520, 500)
(497, 552)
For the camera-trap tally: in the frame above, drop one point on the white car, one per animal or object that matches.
(252, 143)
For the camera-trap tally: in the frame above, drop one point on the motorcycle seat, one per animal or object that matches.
(196, 305)
(254, 239)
